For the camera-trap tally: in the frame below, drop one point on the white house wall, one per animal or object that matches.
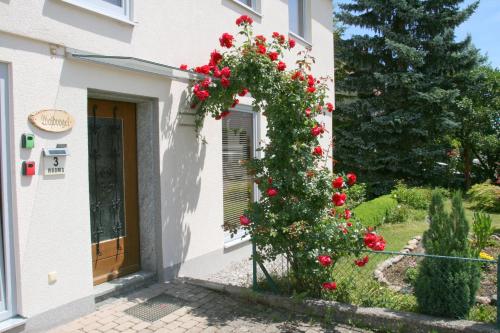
(52, 231)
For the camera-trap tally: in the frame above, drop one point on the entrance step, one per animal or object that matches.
(123, 285)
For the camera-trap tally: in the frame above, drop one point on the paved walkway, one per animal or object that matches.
(203, 311)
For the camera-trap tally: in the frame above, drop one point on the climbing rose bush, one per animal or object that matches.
(302, 213)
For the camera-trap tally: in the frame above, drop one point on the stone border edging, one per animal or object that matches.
(376, 318)
(378, 273)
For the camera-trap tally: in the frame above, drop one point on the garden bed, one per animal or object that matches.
(399, 275)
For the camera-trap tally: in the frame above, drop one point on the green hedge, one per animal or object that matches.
(372, 212)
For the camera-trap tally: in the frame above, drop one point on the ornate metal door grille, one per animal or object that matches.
(106, 178)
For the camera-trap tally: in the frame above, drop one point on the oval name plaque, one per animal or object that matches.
(52, 120)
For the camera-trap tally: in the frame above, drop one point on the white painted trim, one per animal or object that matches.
(7, 192)
(11, 323)
(236, 241)
(300, 39)
(255, 9)
(122, 14)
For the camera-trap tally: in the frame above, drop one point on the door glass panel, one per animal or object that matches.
(106, 178)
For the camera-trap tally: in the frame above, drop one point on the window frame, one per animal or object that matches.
(306, 23)
(240, 236)
(255, 8)
(123, 13)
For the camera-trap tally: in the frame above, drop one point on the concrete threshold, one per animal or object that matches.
(123, 285)
(372, 318)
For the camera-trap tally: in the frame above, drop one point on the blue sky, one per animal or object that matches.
(483, 26)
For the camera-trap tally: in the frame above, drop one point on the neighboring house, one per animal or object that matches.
(138, 191)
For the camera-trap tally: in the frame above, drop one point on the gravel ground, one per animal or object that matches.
(239, 273)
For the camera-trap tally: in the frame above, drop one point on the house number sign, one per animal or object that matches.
(54, 160)
(52, 120)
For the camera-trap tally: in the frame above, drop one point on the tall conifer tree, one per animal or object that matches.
(397, 100)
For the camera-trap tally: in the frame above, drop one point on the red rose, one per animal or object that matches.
(206, 82)
(330, 107)
(291, 43)
(329, 285)
(311, 89)
(183, 67)
(223, 115)
(270, 180)
(259, 39)
(271, 192)
(244, 220)
(317, 130)
(370, 239)
(281, 66)
(347, 215)
(201, 94)
(325, 260)
(261, 49)
(215, 57)
(349, 224)
(243, 92)
(226, 40)
(205, 69)
(338, 182)
(224, 81)
(379, 244)
(225, 72)
(339, 198)
(297, 75)
(310, 80)
(217, 72)
(273, 55)
(351, 179)
(244, 19)
(308, 112)
(361, 262)
(318, 151)
(235, 102)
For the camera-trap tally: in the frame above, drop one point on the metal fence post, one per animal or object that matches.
(498, 292)
(254, 267)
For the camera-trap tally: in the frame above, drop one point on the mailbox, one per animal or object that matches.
(54, 160)
(28, 140)
(28, 168)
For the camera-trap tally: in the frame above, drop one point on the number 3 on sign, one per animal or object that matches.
(54, 165)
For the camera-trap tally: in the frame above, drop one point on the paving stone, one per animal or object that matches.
(205, 311)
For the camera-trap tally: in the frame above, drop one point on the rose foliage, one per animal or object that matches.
(303, 211)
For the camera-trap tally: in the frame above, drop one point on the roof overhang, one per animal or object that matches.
(134, 64)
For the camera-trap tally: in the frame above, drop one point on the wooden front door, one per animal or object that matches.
(113, 189)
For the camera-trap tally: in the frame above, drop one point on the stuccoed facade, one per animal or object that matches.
(46, 219)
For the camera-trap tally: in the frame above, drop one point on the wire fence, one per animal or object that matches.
(393, 280)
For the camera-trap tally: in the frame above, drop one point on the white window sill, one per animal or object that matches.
(11, 323)
(250, 9)
(300, 39)
(236, 241)
(81, 4)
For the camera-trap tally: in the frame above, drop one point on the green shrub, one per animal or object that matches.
(447, 287)
(481, 231)
(411, 275)
(398, 214)
(414, 197)
(372, 213)
(485, 196)
(357, 194)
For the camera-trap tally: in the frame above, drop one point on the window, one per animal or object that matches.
(297, 13)
(117, 9)
(238, 146)
(249, 3)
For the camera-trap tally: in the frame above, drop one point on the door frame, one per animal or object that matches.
(7, 193)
